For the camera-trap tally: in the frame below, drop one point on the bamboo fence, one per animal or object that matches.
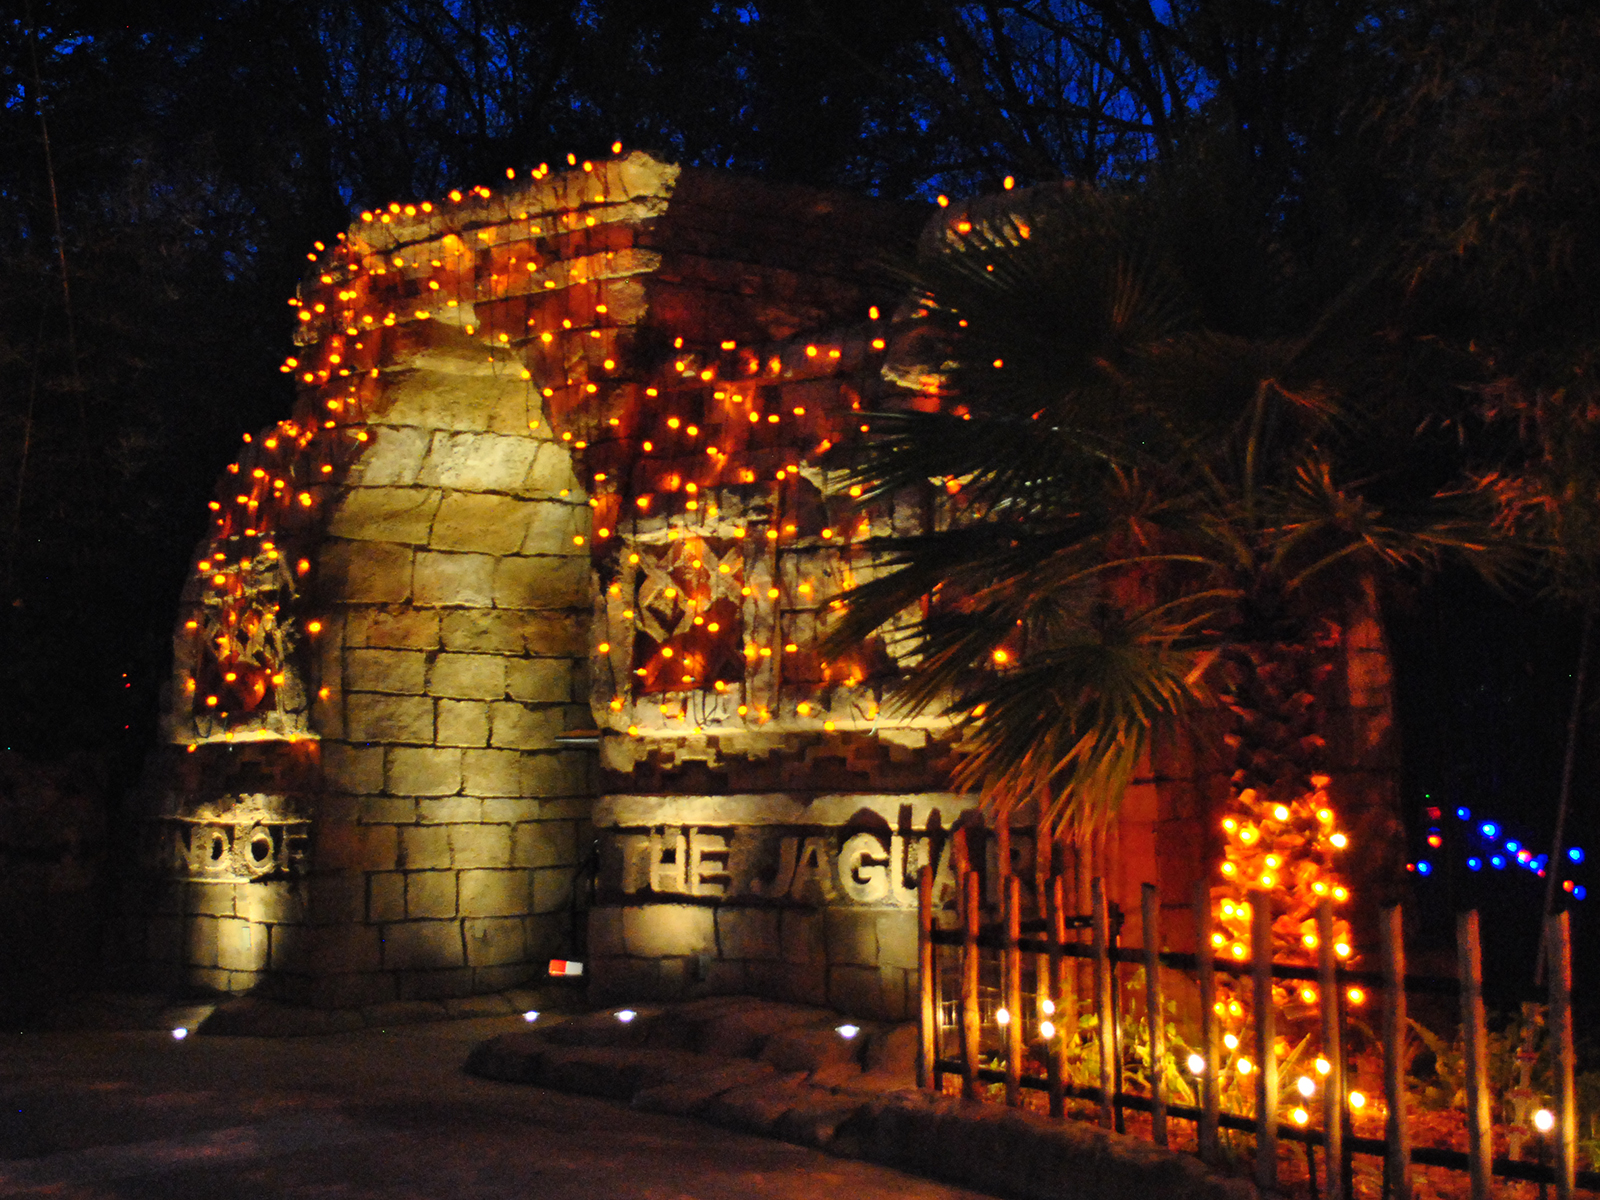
(1049, 942)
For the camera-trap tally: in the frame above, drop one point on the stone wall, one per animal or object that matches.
(559, 464)
(429, 844)
(453, 655)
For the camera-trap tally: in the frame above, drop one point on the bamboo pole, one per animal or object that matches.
(971, 1029)
(1205, 969)
(1397, 1131)
(1066, 1014)
(1475, 1036)
(1102, 999)
(1150, 914)
(1002, 855)
(1012, 970)
(1044, 976)
(1558, 944)
(1266, 1035)
(1332, 1050)
(927, 982)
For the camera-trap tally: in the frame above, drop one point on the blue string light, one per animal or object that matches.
(1500, 854)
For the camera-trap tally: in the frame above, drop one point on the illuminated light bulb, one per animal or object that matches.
(211, 701)
(1308, 995)
(1355, 995)
(1002, 1017)
(1340, 894)
(1046, 1030)
(943, 201)
(1357, 1100)
(1244, 1066)
(1544, 1120)
(604, 647)
(633, 731)
(1320, 888)
(666, 652)
(577, 539)
(772, 593)
(1008, 183)
(803, 708)
(1342, 949)
(1266, 881)
(1300, 1116)
(1238, 950)
(1230, 824)
(1218, 939)
(1323, 1066)
(1247, 835)
(1235, 1009)
(1339, 841)
(1001, 656)
(1230, 1041)
(847, 1031)
(1309, 940)
(1281, 813)
(1228, 868)
(313, 626)
(1272, 861)
(1197, 1064)
(1306, 1086)
(1046, 1006)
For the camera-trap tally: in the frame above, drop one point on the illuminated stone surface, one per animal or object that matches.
(520, 533)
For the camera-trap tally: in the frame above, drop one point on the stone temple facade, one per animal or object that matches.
(502, 647)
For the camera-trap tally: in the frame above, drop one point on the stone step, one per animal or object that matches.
(789, 1072)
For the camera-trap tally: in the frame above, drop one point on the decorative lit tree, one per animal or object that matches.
(1148, 510)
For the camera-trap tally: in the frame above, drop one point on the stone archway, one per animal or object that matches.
(556, 466)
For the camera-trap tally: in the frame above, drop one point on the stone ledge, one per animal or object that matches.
(876, 1115)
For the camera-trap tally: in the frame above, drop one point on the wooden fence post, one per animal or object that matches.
(1150, 913)
(1205, 969)
(1011, 971)
(927, 982)
(1266, 1036)
(971, 1029)
(1558, 944)
(1333, 1098)
(1397, 1130)
(1066, 1014)
(1475, 1036)
(1102, 999)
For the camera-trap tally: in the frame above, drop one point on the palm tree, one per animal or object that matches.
(1146, 517)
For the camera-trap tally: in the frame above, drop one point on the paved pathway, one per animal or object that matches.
(378, 1113)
